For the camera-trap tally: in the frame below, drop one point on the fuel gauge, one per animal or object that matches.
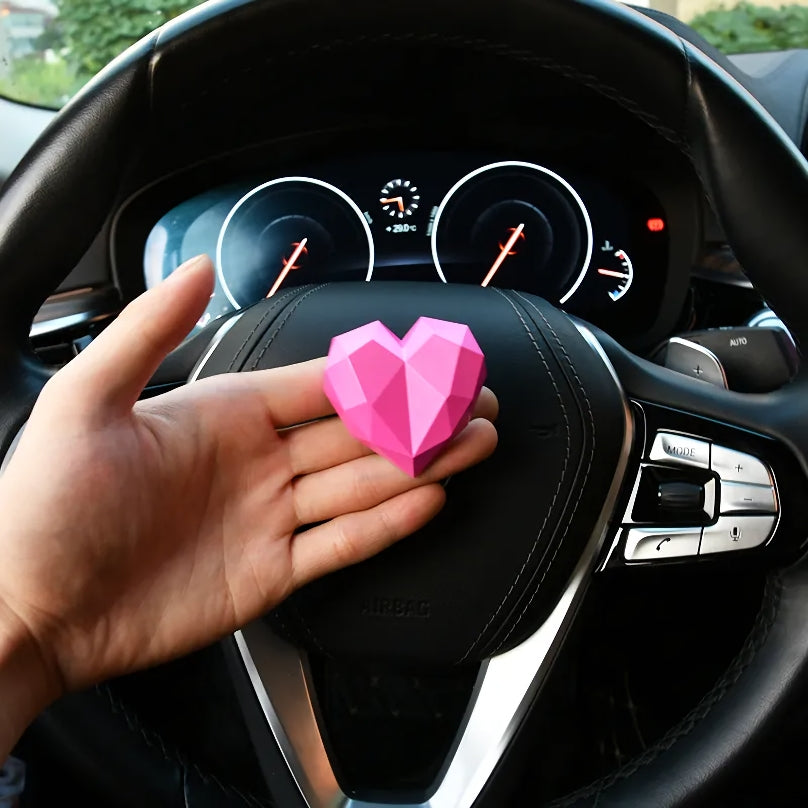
(615, 272)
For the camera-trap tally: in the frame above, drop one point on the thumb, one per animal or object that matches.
(113, 370)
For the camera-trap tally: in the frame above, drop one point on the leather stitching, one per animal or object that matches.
(476, 43)
(308, 629)
(557, 491)
(688, 63)
(754, 642)
(688, 83)
(283, 322)
(281, 299)
(300, 617)
(155, 741)
(277, 615)
(581, 487)
(290, 604)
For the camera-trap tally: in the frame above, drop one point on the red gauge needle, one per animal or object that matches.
(612, 273)
(399, 200)
(288, 266)
(506, 249)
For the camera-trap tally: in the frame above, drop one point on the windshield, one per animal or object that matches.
(50, 48)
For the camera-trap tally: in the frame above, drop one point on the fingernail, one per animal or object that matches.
(191, 263)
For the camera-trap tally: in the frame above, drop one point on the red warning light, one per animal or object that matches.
(655, 225)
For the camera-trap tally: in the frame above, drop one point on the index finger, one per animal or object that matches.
(294, 394)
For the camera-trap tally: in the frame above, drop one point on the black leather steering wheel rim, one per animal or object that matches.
(754, 176)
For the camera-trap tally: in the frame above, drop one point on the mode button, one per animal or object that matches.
(681, 449)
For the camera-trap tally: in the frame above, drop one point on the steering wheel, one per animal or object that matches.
(491, 588)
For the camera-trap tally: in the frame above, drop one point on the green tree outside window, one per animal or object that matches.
(75, 44)
(748, 28)
(78, 37)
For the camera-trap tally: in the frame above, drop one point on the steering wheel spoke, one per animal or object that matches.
(581, 421)
(281, 704)
(715, 480)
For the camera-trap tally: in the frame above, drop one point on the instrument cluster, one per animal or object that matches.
(596, 244)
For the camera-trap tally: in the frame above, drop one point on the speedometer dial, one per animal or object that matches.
(515, 225)
(289, 232)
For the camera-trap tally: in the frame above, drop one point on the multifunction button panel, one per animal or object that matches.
(696, 498)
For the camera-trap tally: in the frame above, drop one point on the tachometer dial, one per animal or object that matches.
(515, 225)
(289, 232)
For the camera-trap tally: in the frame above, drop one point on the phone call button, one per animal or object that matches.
(654, 543)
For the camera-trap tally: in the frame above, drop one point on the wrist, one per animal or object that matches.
(27, 685)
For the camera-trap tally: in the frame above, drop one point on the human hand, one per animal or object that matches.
(136, 531)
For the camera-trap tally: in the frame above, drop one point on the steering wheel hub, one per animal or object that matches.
(483, 574)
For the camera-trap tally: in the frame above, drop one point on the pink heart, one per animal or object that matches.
(405, 399)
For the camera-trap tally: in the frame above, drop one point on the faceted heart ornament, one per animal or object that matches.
(405, 399)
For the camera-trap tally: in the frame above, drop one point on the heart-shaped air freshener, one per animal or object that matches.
(405, 399)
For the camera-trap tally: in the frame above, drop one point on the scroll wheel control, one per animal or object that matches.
(680, 496)
(674, 496)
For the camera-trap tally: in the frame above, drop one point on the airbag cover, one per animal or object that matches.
(479, 576)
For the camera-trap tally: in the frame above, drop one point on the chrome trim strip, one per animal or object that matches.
(60, 297)
(212, 346)
(593, 343)
(44, 327)
(505, 688)
(610, 557)
(766, 318)
(274, 665)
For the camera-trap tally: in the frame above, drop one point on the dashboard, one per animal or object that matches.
(594, 241)
(682, 276)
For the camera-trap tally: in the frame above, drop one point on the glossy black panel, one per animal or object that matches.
(601, 247)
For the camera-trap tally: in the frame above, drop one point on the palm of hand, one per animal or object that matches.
(181, 488)
(152, 528)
